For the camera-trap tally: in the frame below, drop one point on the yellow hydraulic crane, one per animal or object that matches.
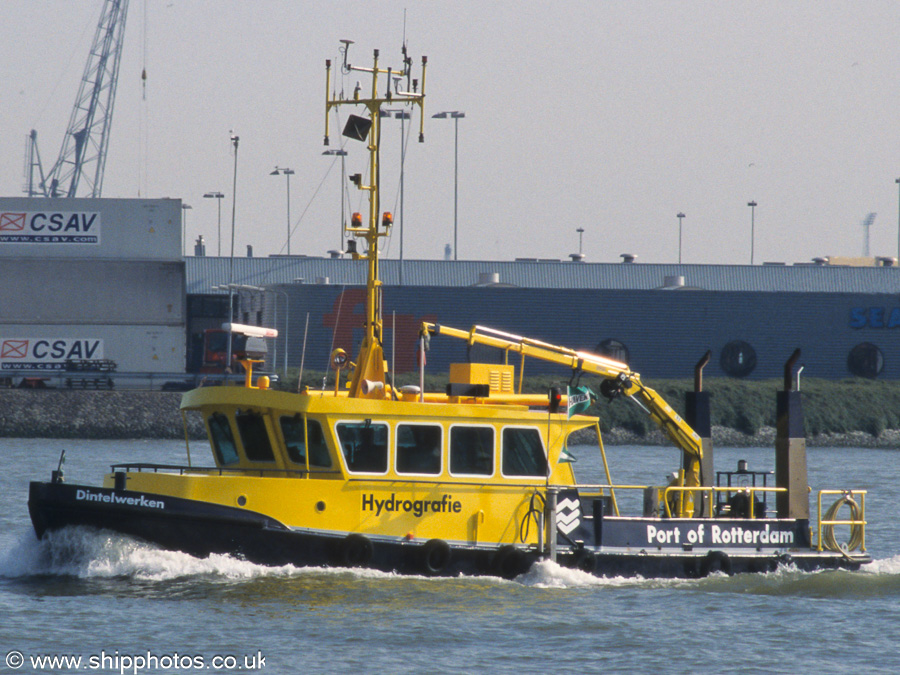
(618, 379)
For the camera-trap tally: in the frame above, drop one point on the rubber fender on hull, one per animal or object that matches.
(715, 561)
(584, 560)
(356, 551)
(434, 556)
(509, 562)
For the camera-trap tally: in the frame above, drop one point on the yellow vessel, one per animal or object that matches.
(472, 480)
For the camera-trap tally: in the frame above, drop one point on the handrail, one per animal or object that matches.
(748, 490)
(857, 524)
(182, 469)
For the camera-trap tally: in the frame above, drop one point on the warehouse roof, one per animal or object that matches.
(205, 272)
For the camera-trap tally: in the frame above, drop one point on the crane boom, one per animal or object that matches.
(620, 379)
(83, 152)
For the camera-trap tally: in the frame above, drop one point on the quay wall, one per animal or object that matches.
(93, 414)
(156, 415)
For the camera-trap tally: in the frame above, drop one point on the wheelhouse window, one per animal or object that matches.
(364, 445)
(418, 449)
(292, 429)
(222, 439)
(254, 436)
(472, 451)
(523, 453)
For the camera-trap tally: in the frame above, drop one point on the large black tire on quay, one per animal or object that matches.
(509, 562)
(715, 561)
(434, 557)
(356, 551)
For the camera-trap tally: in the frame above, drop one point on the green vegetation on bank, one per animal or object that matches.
(829, 406)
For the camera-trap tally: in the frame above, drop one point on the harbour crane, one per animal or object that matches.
(82, 158)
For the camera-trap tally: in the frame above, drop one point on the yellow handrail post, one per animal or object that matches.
(612, 491)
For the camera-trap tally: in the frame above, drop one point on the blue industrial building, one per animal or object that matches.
(659, 318)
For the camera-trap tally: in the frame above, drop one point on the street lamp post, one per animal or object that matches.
(287, 174)
(455, 115)
(897, 181)
(401, 115)
(679, 216)
(342, 154)
(752, 206)
(184, 210)
(218, 197)
(234, 141)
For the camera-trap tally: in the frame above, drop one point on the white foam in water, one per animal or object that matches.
(88, 553)
(548, 574)
(887, 566)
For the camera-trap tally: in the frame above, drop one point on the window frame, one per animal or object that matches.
(536, 430)
(214, 438)
(249, 414)
(440, 446)
(340, 443)
(304, 421)
(493, 431)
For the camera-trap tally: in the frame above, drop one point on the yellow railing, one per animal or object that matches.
(855, 499)
(663, 493)
(857, 521)
(681, 490)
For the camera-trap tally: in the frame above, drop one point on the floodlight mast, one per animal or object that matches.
(370, 364)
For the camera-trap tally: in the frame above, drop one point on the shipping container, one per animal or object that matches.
(92, 291)
(147, 229)
(55, 349)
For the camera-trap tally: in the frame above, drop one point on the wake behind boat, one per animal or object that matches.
(472, 480)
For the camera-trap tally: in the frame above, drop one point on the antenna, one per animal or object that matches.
(345, 67)
(370, 365)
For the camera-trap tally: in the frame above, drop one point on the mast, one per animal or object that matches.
(370, 371)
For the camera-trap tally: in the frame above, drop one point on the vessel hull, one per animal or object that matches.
(200, 529)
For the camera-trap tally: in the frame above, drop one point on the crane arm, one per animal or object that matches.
(618, 379)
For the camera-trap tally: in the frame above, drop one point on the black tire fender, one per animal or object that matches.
(356, 551)
(509, 562)
(584, 560)
(715, 561)
(434, 556)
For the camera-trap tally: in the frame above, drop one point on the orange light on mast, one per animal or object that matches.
(387, 219)
(356, 220)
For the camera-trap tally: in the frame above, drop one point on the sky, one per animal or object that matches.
(607, 116)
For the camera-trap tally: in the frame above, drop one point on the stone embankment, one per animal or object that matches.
(156, 414)
(93, 414)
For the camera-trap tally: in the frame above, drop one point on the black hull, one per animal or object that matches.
(199, 529)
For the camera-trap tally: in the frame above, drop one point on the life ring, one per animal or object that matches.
(434, 556)
(856, 529)
(584, 560)
(356, 550)
(715, 561)
(509, 562)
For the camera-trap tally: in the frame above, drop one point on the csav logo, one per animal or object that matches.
(47, 353)
(12, 222)
(51, 227)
